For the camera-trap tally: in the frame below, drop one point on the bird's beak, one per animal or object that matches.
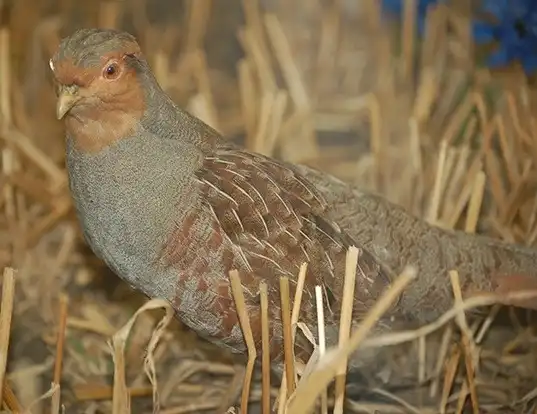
(67, 98)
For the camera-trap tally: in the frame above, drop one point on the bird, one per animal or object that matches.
(171, 206)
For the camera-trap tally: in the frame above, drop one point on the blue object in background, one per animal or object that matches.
(396, 7)
(512, 28)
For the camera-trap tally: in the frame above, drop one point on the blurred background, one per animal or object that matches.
(429, 103)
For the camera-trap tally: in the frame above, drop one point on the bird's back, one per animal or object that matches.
(398, 238)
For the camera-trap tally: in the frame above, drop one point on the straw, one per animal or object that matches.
(6, 312)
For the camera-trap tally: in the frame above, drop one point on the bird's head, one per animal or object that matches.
(99, 90)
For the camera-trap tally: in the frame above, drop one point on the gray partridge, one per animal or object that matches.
(172, 207)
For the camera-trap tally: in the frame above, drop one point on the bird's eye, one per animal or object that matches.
(111, 71)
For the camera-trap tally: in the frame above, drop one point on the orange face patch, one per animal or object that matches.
(67, 73)
(109, 110)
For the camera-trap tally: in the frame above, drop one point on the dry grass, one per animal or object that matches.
(326, 85)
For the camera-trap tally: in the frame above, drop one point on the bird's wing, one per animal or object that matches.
(278, 220)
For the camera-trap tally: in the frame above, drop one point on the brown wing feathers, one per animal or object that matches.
(279, 220)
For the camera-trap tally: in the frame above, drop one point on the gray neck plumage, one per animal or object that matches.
(130, 195)
(130, 189)
(127, 196)
(165, 119)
